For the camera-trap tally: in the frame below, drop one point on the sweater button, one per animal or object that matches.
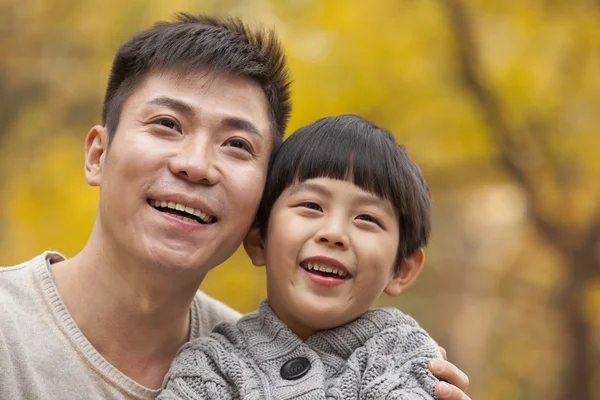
(295, 368)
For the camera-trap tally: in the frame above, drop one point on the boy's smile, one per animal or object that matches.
(325, 271)
(330, 252)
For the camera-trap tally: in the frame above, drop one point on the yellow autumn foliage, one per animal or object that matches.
(497, 281)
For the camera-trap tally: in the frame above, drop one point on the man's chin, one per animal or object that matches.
(179, 262)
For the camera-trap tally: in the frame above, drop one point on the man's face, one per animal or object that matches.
(183, 178)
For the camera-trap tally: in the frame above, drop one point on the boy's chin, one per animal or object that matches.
(322, 316)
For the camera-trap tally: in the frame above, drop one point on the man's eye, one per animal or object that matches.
(239, 144)
(166, 122)
(368, 218)
(312, 206)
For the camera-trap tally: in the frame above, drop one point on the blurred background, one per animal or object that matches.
(497, 101)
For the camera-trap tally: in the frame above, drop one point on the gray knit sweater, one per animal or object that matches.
(381, 355)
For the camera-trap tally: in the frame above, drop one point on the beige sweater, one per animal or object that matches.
(44, 355)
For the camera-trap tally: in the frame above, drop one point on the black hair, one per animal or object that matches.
(219, 44)
(349, 147)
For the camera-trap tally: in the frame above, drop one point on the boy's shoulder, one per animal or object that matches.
(390, 330)
(228, 334)
(381, 319)
(245, 337)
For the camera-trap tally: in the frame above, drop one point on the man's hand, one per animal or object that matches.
(458, 381)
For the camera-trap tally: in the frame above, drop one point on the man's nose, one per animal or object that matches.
(196, 162)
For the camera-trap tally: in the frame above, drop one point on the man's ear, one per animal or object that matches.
(254, 246)
(409, 271)
(96, 144)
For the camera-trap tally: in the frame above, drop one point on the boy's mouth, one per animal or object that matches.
(183, 212)
(325, 269)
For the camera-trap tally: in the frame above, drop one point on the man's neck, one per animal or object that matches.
(136, 319)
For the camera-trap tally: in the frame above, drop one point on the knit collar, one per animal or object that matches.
(334, 346)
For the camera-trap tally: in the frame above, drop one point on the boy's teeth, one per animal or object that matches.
(326, 269)
(180, 207)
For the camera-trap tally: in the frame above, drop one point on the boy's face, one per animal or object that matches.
(199, 147)
(330, 252)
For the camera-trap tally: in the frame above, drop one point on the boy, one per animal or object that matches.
(344, 217)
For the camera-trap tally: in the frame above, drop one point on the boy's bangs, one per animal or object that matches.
(350, 158)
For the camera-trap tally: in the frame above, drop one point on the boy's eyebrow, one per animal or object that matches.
(310, 186)
(377, 201)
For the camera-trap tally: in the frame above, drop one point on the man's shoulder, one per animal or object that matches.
(20, 278)
(207, 312)
(11, 272)
(24, 268)
(24, 290)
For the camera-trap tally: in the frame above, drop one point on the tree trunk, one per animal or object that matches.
(583, 267)
(580, 371)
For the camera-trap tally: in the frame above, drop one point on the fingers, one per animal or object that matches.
(448, 372)
(443, 351)
(446, 391)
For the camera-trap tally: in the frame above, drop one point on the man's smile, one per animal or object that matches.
(186, 213)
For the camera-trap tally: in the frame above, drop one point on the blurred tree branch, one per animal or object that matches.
(525, 154)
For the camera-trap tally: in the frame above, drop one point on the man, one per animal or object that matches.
(192, 112)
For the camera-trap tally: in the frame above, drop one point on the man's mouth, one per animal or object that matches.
(183, 212)
(325, 270)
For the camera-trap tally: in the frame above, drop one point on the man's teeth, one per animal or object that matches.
(325, 268)
(180, 207)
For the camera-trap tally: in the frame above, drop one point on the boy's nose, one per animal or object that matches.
(334, 237)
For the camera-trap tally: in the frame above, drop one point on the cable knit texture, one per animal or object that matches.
(381, 355)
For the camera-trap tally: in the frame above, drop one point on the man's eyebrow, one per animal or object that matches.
(241, 124)
(173, 104)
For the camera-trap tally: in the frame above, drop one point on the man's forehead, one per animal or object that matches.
(202, 86)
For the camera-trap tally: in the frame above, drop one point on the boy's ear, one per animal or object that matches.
(409, 271)
(254, 246)
(95, 151)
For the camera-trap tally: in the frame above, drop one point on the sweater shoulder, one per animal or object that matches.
(21, 284)
(402, 332)
(208, 312)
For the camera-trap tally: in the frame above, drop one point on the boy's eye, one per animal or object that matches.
(368, 218)
(312, 206)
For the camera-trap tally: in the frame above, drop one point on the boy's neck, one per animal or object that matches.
(299, 329)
